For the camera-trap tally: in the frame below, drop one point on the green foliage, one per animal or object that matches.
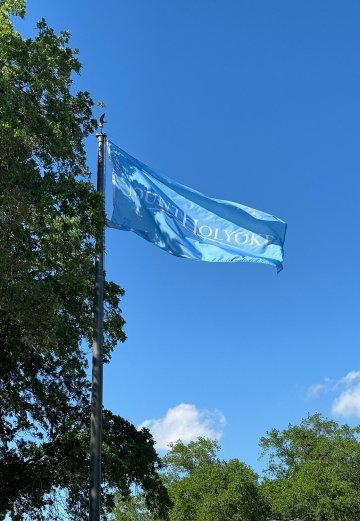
(132, 509)
(50, 217)
(12, 7)
(182, 459)
(218, 491)
(202, 488)
(313, 475)
(130, 458)
(314, 471)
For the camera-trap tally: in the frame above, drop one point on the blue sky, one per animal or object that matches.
(256, 102)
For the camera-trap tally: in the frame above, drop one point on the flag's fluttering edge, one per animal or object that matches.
(186, 223)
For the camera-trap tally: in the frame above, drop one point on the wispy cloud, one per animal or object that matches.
(347, 403)
(349, 378)
(317, 389)
(185, 422)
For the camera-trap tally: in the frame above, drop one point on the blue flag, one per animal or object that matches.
(186, 223)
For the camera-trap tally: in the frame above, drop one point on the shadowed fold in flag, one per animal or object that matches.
(186, 223)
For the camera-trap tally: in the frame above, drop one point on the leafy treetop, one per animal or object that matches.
(50, 217)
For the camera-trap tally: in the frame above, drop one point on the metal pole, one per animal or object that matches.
(97, 355)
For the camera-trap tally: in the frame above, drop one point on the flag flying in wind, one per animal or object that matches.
(186, 223)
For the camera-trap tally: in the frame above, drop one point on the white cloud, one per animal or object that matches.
(186, 423)
(323, 387)
(348, 402)
(316, 389)
(350, 378)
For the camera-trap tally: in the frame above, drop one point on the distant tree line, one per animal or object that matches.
(312, 474)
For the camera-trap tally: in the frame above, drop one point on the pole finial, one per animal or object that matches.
(101, 122)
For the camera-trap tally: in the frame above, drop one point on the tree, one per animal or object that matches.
(132, 509)
(201, 487)
(50, 217)
(314, 471)
(182, 459)
(220, 491)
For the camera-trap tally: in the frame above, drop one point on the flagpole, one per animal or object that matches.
(97, 350)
